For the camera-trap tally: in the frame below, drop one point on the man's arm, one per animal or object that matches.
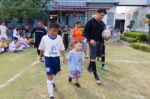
(32, 33)
(86, 32)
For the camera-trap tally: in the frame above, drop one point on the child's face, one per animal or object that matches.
(15, 41)
(53, 31)
(78, 47)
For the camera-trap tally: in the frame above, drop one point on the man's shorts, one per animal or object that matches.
(97, 51)
(52, 65)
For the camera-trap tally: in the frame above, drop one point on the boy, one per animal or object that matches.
(50, 46)
(24, 42)
(75, 61)
(14, 46)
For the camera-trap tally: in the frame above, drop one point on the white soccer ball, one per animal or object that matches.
(106, 33)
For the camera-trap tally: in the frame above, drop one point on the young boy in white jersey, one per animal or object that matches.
(50, 46)
(15, 46)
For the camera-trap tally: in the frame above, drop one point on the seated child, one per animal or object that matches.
(75, 61)
(3, 45)
(14, 46)
(24, 42)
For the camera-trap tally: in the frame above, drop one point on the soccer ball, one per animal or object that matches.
(106, 33)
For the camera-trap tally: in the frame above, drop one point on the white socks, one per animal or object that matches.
(50, 87)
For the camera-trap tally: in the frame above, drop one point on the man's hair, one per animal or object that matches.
(78, 22)
(15, 38)
(100, 10)
(54, 25)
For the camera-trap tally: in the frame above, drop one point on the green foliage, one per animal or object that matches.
(23, 9)
(148, 16)
(131, 25)
(128, 39)
(142, 47)
(136, 35)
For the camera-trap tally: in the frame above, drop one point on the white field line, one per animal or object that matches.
(17, 75)
(129, 61)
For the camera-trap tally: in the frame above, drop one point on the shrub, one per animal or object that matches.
(128, 39)
(140, 46)
(137, 35)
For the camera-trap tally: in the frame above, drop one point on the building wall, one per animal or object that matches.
(133, 2)
(138, 15)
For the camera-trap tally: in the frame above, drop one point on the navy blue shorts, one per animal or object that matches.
(52, 65)
(98, 50)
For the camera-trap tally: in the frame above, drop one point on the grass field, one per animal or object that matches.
(128, 77)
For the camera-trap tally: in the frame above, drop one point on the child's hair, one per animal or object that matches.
(77, 42)
(78, 22)
(15, 38)
(3, 39)
(54, 25)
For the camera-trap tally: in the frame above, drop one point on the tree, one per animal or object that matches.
(131, 25)
(23, 9)
(148, 17)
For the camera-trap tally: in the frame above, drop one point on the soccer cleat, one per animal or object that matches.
(70, 79)
(52, 97)
(77, 85)
(104, 67)
(98, 81)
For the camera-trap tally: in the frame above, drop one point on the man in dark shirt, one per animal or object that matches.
(39, 32)
(93, 32)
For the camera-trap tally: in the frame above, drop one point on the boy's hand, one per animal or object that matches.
(64, 61)
(41, 60)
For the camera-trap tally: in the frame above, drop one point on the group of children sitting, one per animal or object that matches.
(16, 45)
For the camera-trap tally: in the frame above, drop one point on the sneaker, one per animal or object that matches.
(98, 81)
(70, 79)
(51, 97)
(86, 57)
(104, 67)
(77, 85)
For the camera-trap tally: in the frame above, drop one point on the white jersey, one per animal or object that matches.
(3, 30)
(51, 46)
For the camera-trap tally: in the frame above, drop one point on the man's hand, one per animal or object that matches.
(93, 42)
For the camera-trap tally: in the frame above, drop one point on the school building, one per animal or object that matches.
(67, 12)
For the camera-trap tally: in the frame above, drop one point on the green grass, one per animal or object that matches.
(125, 80)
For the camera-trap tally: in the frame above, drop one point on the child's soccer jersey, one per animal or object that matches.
(51, 46)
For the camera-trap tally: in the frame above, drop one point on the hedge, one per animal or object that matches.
(128, 39)
(140, 46)
(137, 35)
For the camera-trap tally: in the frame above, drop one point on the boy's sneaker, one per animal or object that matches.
(52, 97)
(70, 79)
(86, 57)
(77, 85)
(104, 67)
(98, 81)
